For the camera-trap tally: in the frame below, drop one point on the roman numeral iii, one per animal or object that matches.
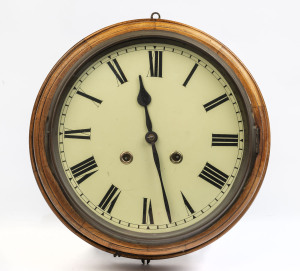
(116, 69)
(215, 102)
(78, 134)
(155, 61)
(213, 175)
(110, 198)
(147, 212)
(84, 169)
(224, 140)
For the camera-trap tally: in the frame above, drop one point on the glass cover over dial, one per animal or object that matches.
(156, 178)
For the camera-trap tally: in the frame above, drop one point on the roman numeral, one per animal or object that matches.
(155, 61)
(84, 169)
(224, 140)
(190, 75)
(78, 134)
(214, 103)
(116, 69)
(188, 206)
(88, 97)
(147, 212)
(213, 175)
(110, 199)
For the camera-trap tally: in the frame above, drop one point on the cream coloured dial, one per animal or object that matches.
(193, 111)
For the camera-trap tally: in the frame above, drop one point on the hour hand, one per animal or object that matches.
(144, 99)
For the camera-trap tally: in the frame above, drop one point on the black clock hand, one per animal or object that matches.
(144, 99)
(156, 161)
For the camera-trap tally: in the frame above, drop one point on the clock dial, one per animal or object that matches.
(196, 116)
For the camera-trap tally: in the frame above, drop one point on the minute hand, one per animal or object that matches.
(157, 164)
(144, 100)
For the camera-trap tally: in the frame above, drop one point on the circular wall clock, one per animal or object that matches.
(149, 139)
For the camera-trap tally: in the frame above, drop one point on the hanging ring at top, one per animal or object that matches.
(155, 13)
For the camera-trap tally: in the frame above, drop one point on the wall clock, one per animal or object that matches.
(149, 139)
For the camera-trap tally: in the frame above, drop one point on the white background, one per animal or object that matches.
(263, 34)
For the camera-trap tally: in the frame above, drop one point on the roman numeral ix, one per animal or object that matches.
(214, 103)
(155, 61)
(78, 134)
(116, 69)
(224, 140)
(147, 212)
(84, 169)
(213, 176)
(109, 200)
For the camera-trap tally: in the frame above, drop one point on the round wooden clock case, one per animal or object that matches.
(45, 131)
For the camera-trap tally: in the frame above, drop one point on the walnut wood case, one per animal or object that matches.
(57, 199)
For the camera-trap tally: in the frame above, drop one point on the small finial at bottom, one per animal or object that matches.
(144, 261)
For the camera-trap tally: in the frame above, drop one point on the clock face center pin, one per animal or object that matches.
(151, 137)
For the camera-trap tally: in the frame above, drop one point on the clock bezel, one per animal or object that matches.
(56, 197)
(143, 37)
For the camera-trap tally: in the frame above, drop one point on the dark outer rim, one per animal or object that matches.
(52, 144)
